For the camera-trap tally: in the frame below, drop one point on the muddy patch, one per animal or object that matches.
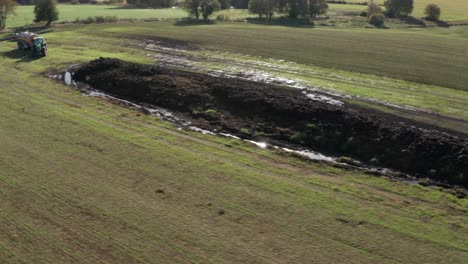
(272, 114)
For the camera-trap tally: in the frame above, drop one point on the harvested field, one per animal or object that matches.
(256, 110)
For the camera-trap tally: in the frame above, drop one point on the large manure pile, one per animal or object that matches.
(250, 109)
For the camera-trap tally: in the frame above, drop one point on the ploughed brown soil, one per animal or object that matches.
(252, 110)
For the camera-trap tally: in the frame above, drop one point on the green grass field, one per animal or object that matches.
(83, 180)
(25, 14)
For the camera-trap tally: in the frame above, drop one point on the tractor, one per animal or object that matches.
(31, 41)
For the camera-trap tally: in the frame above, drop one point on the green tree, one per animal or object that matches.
(207, 8)
(317, 7)
(432, 12)
(407, 7)
(257, 7)
(373, 8)
(263, 7)
(293, 8)
(283, 6)
(46, 10)
(7, 7)
(396, 8)
(377, 19)
(303, 8)
(240, 4)
(271, 8)
(150, 3)
(193, 8)
(298, 8)
(225, 4)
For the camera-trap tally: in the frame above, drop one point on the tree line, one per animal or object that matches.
(398, 9)
(220, 4)
(263, 8)
(309, 9)
(46, 10)
(294, 8)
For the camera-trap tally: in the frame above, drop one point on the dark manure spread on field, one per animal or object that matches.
(257, 110)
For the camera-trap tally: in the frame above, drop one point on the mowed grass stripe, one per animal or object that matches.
(97, 173)
(331, 241)
(93, 178)
(57, 200)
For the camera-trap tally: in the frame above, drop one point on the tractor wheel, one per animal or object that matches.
(45, 52)
(20, 45)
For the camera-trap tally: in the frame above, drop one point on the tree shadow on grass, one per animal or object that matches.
(193, 22)
(20, 55)
(279, 21)
(124, 7)
(40, 29)
(441, 23)
(410, 20)
(282, 21)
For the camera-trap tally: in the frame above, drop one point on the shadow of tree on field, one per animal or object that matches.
(441, 23)
(276, 21)
(42, 29)
(20, 55)
(193, 22)
(129, 7)
(7, 38)
(422, 22)
(410, 20)
(282, 21)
